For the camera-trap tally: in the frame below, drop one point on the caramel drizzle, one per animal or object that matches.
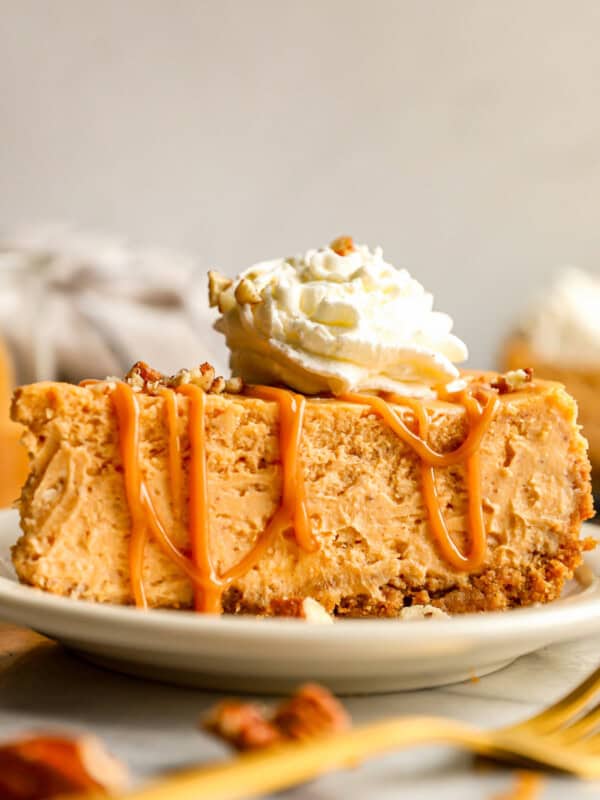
(468, 453)
(292, 512)
(144, 518)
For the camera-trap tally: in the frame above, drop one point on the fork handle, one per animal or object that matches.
(291, 764)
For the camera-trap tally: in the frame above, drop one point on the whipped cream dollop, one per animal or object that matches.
(334, 320)
(564, 325)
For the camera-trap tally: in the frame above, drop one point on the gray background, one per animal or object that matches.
(464, 137)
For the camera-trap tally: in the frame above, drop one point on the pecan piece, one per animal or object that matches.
(140, 375)
(512, 381)
(343, 245)
(246, 292)
(42, 767)
(234, 385)
(311, 711)
(242, 725)
(217, 284)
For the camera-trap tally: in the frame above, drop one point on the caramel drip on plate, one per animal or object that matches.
(292, 512)
(468, 453)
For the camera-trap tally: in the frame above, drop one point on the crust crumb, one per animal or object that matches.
(307, 609)
(584, 575)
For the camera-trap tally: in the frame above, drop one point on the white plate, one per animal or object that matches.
(272, 655)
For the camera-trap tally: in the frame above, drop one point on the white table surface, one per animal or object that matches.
(152, 726)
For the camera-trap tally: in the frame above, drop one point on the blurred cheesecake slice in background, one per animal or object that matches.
(559, 337)
(13, 456)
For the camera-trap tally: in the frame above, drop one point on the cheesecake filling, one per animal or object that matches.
(478, 402)
(335, 320)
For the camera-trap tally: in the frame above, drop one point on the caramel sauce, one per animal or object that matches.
(468, 453)
(292, 513)
(144, 517)
(208, 592)
(291, 419)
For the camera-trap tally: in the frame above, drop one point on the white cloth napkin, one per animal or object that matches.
(73, 305)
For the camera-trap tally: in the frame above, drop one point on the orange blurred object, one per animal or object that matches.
(13, 457)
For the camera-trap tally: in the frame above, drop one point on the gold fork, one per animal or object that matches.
(563, 737)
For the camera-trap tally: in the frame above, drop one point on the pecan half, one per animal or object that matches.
(42, 767)
(311, 711)
(242, 725)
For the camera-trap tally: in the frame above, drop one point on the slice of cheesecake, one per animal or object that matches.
(171, 494)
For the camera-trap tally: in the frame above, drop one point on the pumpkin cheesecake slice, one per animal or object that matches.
(372, 549)
(348, 463)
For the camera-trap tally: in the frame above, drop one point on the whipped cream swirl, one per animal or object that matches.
(563, 327)
(334, 320)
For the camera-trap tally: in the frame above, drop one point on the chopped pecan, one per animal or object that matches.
(311, 711)
(143, 378)
(512, 381)
(218, 385)
(343, 245)
(217, 284)
(246, 292)
(243, 725)
(234, 385)
(42, 767)
(141, 375)
(226, 301)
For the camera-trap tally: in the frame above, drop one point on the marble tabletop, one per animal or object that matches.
(153, 727)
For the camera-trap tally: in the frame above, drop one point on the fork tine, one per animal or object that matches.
(562, 711)
(580, 729)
